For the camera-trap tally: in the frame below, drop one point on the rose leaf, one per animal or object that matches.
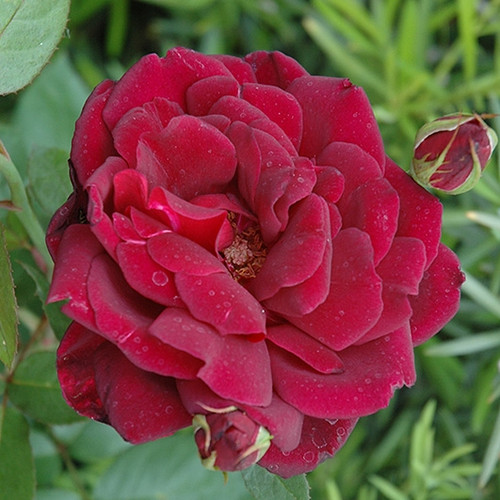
(29, 33)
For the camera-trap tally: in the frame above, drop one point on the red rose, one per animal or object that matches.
(238, 239)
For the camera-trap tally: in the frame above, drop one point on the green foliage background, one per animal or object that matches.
(416, 59)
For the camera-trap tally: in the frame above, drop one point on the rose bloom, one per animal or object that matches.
(240, 251)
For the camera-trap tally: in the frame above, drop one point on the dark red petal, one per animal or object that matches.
(235, 368)
(152, 117)
(302, 252)
(221, 302)
(100, 222)
(249, 160)
(401, 271)
(179, 254)
(199, 224)
(354, 303)
(147, 226)
(320, 440)
(283, 421)
(196, 158)
(240, 69)
(312, 352)
(146, 276)
(197, 397)
(167, 77)
(438, 296)
(92, 142)
(279, 106)
(75, 370)
(372, 372)
(123, 316)
(75, 254)
(356, 166)
(141, 406)
(403, 266)
(282, 182)
(329, 184)
(334, 110)
(130, 189)
(204, 93)
(374, 208)
(420, 212)
(274, 68)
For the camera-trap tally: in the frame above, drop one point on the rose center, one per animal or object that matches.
(245, 256)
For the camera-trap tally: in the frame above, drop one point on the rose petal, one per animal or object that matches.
(176, 253)
(320, 440)
(371, 373)
(184, 149)
(283, 421)
(234, 368)
(329, 184)
(141, 406)
(75, 254)
(240, 70)
(146, 276)
(153, 116)
(202, 225)
(420, 212)
(274, 68)
(334, 110)
(356, 166)
(167, 77)
(312, 352)
(221, 302)
(100, 222)
(130, 189)
(438, 296)
(201, 95)
(373, 208)
(75, 371)
(123, 317)
(92, 142)
(279, 106)
(354, 303)
(301, 252)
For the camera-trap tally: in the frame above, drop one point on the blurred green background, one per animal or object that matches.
(416, 59)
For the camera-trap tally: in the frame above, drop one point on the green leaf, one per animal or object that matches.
(46, 111)
(8, 307)
(35, 390)
(48, 179)
(17, 474)
(264, 485)
(48, 462)
(58, 321)
(29, 33)
(166, 469)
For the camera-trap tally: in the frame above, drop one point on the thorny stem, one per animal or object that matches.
(20, 199)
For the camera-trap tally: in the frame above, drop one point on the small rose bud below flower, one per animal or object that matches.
(451, 152)
(230, 441)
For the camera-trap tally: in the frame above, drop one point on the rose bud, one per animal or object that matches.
(230, 441)
(451, 152)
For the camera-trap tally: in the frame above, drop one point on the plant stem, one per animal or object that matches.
(20, 200)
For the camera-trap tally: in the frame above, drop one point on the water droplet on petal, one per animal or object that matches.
(160, 278)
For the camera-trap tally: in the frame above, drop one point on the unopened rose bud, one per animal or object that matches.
(451, 152)
(230, 441)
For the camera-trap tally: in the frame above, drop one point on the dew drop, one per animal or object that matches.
(308, 456)
(211, 293)
(160, 278)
